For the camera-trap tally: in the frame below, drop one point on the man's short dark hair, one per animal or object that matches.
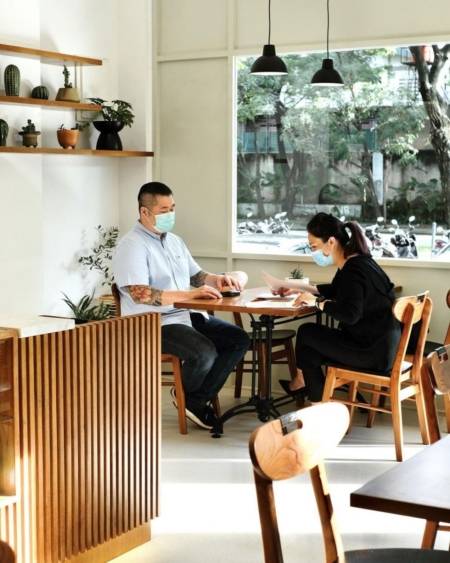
(148, 192)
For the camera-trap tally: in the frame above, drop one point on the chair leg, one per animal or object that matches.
(352, 391)
(181, 402)
(447, 411)
(330, 380)
(397, 423)
(290, 355)
(422, 416)
(429, 534)
(262, 379)
(238, 380)
(374, 403)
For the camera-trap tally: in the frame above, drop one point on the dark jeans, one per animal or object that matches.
(210, 350)
(319, 345)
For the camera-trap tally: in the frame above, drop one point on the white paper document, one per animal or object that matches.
(276, 283)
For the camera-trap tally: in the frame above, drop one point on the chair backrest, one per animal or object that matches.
(7, 555)
(116, 295)
(409, 311)
(286, 447)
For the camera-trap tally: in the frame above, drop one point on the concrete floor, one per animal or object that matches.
(208, 502)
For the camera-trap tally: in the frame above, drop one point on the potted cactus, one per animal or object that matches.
(116, 115)
(297, 274)
(68, 93)
(12, 80)
(68, 138)
(4, 129)
(29, 134)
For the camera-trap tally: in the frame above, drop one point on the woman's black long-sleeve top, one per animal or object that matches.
(361, 297)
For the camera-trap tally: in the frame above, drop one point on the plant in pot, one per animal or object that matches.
(68, 93)
(4, 129)
(29, 134)
(85, 311)
(68, 138)
(99, 259)
(297, 274)
(116, 115)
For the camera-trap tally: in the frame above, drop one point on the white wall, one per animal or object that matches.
(50, 205)
(195, 45)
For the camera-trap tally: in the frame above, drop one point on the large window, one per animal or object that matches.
(373, 151)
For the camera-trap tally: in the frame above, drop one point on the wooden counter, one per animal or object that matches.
(81, 417)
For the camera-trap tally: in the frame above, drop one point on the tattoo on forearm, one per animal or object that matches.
(198, 279)
(145, 294)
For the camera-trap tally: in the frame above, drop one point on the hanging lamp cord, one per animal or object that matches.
(269, 23)
(328, 28)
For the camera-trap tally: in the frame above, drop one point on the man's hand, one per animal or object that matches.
(283, 291)
(227, 281)
(204, 292)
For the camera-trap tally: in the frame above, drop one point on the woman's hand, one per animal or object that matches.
(283, 291)
(305, 298)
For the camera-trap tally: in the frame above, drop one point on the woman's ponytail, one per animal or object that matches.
(356, 242)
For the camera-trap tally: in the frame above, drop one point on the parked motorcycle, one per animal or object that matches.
(441, 243)
(404, 241)
(380, 248)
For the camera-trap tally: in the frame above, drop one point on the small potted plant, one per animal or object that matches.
(297, 274)
(68, 138)
(68, 93)
(116, 115)
(85, 311)
(29, 134)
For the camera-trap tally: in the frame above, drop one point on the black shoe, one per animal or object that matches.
(202, 417)
(297, 393)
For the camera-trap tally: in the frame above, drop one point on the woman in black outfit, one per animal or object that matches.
(360, 298)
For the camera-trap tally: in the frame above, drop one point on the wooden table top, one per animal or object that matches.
(240, 304)
(418, 487)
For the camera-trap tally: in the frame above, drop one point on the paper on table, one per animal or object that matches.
(272, 304)
(276, 283)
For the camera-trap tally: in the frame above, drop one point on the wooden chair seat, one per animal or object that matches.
(282, 353)
(297, 443)
(403, 382)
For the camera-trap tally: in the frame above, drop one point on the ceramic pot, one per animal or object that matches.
(109, 135)
(68, 138)
(30, 139)
(68, 95)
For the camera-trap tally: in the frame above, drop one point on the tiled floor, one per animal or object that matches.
(208, 503)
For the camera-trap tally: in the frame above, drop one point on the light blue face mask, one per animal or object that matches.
(320, 259)
(165, 222)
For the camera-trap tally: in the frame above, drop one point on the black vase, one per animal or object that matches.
(109, 139)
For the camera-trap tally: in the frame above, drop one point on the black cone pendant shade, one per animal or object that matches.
(327, 75)
(268, 64)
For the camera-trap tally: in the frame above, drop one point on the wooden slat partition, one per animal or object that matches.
(87, 419)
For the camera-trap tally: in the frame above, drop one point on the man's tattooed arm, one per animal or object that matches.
(144, 294)
(198, 279)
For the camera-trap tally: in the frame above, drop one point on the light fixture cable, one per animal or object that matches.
(269, 24)
(328, 28)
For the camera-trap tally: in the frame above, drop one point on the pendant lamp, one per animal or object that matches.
(327, 75)
(269, 64)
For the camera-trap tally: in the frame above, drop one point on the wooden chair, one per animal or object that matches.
(294, 444)
(7, 555)
(282, 353)
(172, 378)
(404, 380)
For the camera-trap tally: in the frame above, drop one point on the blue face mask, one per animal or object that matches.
(320, 259)
(165, 222)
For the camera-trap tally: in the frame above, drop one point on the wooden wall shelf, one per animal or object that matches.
(74, 152)
(52, 56)
(54, 104)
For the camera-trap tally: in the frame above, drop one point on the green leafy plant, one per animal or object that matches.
(66, 74)
(116, 110)
(101, 255)
(296, 273)
(85, 311)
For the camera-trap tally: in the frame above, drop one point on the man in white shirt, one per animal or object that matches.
(153, 268)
